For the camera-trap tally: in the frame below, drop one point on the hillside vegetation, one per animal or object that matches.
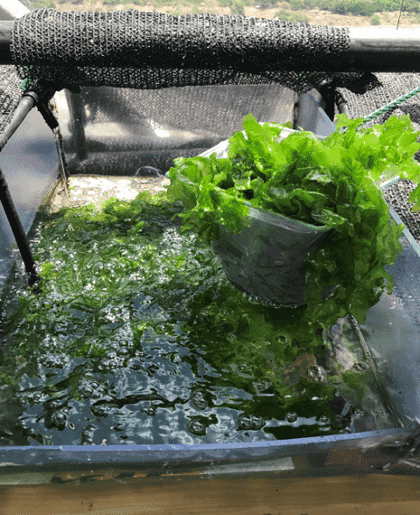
(322, 12)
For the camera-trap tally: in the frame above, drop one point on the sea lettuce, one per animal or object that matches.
(330, 182)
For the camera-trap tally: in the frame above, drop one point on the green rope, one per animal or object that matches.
(390, 106)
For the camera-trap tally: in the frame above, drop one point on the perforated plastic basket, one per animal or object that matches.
(265, 259)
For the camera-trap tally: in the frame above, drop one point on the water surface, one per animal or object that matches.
(137, 337)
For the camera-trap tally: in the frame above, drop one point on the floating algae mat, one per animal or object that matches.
(137, 337)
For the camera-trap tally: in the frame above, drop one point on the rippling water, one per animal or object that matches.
(138, 338)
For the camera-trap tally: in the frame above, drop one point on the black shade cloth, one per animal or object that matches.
(154, 50)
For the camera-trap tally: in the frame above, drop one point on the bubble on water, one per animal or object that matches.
(263, 385)
(30, 397)
(291, 417)
(244, 421)
(86, 390)
(87, 435)
(149, 411)
(196, 427)
(98, 394)
(199, 400)
(339, 419)
(316, 373)
(55, 419)
(245, 368)
(248, 421)
(39, 397)
(100, 410)
(52, 404)
(257, 422)
(111, 363)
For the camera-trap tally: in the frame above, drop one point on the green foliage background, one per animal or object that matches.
(294, 11)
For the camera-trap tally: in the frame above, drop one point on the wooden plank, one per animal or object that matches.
(371, 494)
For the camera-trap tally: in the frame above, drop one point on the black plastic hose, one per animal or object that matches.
(28, 101)
(18, 231)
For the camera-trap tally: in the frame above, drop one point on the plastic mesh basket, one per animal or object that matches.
(265, 259)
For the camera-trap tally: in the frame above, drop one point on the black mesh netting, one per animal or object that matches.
(213, 111)
(151, 50)
(10, 94)
(191, 119)
(388, 87)
(397, 197)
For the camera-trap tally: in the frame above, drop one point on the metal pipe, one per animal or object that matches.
(18, 231)
(27, 102)
(327, 91)
(77, 124)
(341, 104)
(383, 50)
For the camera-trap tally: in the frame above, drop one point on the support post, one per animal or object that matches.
(18, 231)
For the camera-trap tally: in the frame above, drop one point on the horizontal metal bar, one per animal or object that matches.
(383, 50)
(375, 50)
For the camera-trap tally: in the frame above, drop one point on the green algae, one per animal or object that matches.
(137, 336)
